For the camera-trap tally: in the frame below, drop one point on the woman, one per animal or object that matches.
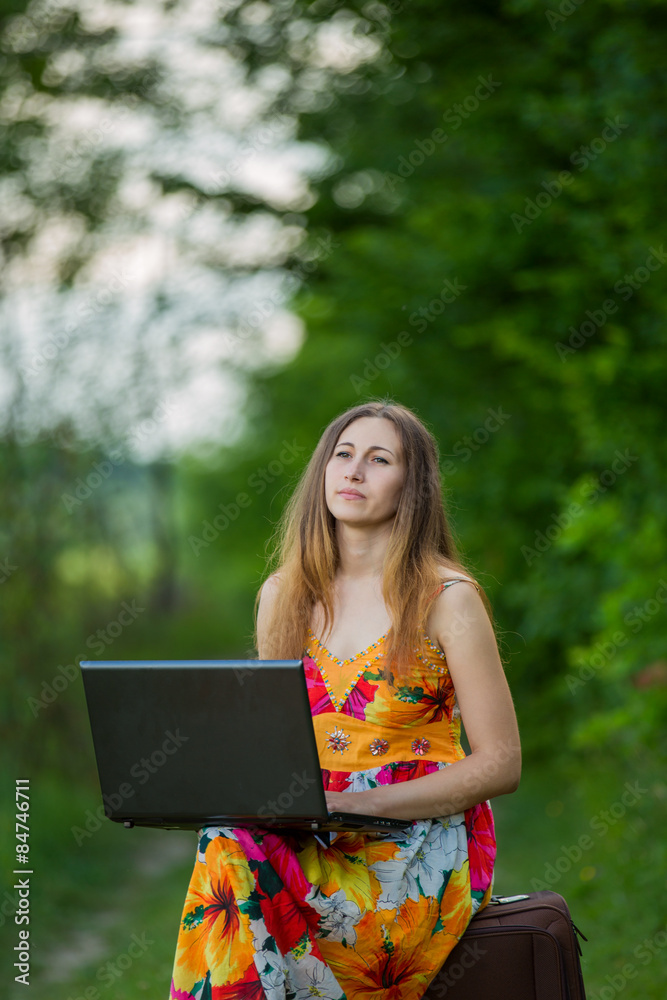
(365, 551)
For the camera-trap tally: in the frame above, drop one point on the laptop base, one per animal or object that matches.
(335, 822)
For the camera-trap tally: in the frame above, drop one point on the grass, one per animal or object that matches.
(596, 838)
(115, 897)
(118, 941)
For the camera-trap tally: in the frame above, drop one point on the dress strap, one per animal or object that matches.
(448, 583)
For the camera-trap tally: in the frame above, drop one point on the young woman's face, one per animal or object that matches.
(364, 477)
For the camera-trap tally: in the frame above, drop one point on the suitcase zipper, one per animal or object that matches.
(499, 900)
(582, 936)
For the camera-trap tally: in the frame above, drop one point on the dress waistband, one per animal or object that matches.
(345, 743)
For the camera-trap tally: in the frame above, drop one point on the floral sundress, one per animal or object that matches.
(281, 916)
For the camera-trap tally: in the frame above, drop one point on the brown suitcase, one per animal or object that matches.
(517, 948)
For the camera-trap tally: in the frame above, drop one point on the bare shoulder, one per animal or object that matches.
(269, 590)
(267, 596)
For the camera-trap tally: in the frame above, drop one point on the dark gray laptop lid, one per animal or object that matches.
(184, 742)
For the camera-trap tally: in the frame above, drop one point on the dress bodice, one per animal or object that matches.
(382, 717)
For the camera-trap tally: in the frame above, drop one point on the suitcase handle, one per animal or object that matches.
(496, 900)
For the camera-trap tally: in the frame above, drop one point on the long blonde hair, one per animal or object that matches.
(306, 556)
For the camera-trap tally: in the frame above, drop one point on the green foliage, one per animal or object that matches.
(518, 249)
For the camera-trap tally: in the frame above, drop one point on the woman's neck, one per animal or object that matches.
(362, 551)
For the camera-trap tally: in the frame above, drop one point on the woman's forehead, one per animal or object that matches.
(380, 429)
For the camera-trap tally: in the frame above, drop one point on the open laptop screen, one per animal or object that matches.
(190, 743)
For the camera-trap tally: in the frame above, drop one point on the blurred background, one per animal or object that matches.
(222, 224)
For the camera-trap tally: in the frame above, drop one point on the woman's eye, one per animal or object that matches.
(345, 454)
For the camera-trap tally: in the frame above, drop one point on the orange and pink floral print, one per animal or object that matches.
(274, 915)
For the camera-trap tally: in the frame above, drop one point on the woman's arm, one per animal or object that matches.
(267, 596)
(458, 620)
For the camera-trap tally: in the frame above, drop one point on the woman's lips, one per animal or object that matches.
(351, 495)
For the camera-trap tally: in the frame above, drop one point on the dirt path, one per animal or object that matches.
(160, 851)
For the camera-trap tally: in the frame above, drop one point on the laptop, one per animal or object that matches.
(183, 744)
